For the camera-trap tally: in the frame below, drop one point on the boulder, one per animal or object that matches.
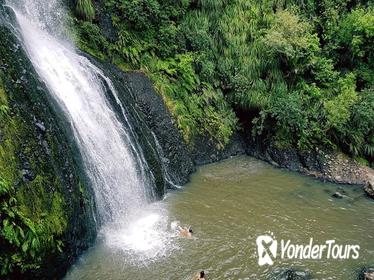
(369, 189)
(366, 273)
(338, 194)
(369, 275)
(291, 274)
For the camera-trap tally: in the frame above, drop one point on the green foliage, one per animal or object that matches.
(355, 38)
(298, 72)
(338, 108)
(4, 109)
(24, 241)
(150, 38)
(198, 108)
(357, 32)
(291, 40)
(85, 9)
(357, 136)
(140, 14)
(27, 236)
(89, 32)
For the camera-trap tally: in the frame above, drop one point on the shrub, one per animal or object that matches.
(85, 9)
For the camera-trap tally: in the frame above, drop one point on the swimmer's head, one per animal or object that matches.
(190, 230)
(202, 274)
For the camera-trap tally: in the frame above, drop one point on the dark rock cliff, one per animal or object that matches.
(160, 140)
(204, 151)
(174, 153)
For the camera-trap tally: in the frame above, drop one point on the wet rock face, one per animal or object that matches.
(162, 143)
(174, 153)
(204, 151)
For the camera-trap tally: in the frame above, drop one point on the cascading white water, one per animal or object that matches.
(112, 162)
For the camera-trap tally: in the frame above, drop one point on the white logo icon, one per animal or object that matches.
(266, 249)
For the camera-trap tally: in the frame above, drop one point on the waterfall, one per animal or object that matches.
(112, 160)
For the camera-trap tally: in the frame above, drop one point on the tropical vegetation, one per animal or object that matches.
(299, 72)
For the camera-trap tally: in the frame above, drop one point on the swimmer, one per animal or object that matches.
(184, 232)
(181, 231)
(199, 276)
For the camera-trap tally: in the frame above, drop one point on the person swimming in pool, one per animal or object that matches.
(182, 231)
(199, 276)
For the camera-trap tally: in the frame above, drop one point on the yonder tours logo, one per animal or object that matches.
(267, 250)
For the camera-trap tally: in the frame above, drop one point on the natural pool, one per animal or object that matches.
(229, 204)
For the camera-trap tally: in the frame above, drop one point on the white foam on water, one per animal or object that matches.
(142, 235)
(146, 238)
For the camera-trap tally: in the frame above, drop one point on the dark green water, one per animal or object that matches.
(229, 204)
